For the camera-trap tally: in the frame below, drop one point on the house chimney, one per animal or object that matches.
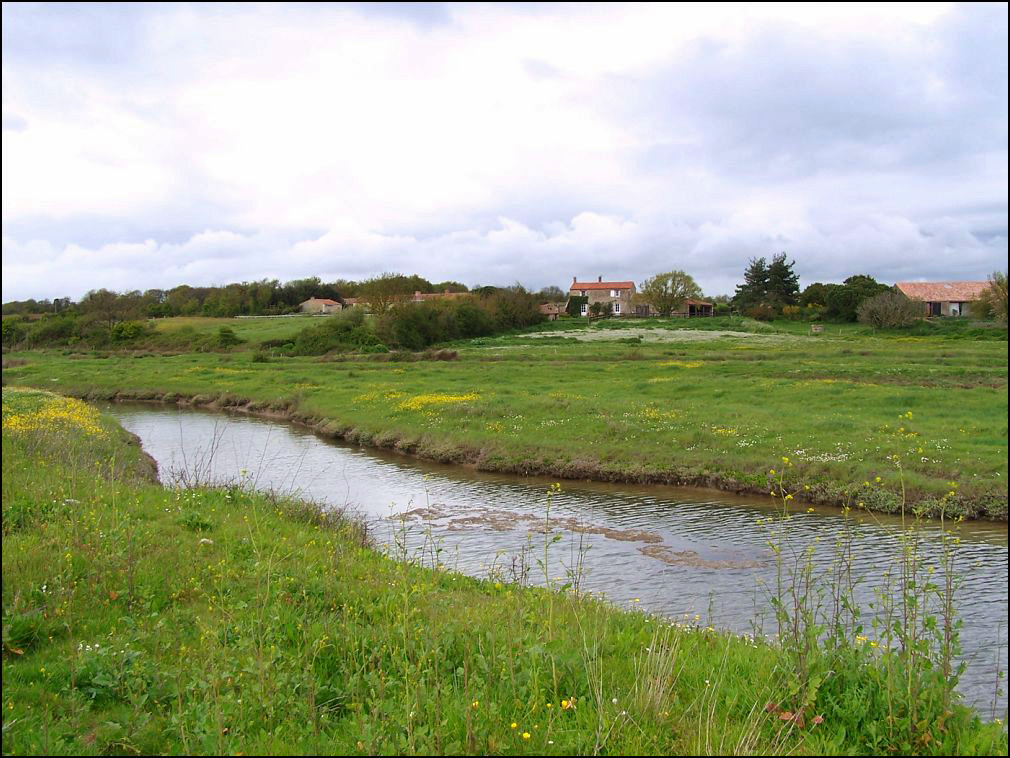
(575, 279)
(599, 278)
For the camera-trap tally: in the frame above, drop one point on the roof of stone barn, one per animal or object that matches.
(599, 284)
(958, 292)
(323, 300)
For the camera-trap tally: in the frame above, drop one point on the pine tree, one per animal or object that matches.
(754, 289)
(783, 283)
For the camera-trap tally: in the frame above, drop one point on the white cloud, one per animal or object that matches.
(498, 143)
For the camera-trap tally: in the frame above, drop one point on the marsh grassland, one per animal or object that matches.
(703, 401)
(140, 619)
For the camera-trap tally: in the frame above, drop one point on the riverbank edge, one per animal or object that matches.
(992, 507)
(135, 480)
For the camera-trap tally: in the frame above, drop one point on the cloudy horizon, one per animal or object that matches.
(147, 146)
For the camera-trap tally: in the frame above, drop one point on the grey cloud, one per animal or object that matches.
(14, 123)
(540, 69)
(789, 103)
(424, 15)
(94, 34)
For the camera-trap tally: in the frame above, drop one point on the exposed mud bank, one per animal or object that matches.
(147, 467)
(540, 463)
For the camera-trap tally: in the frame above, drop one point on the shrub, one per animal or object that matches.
(51, 330)
(512, 308)
(14, 331)
(345, 332)
(415, 326)
(889, 310)
(992, 303)
(843, 300)
(761, 312)
(472, 320)
(127, 331)
(793, 312)
(226, 337)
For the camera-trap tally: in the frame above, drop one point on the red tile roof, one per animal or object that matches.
(323, 300)
(601, 286)
(943, 292)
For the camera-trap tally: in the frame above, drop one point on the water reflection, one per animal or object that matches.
(671, 551)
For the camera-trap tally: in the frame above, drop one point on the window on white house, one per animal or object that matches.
(617, 309)
(615, 293)
(582, 293)
(585, 308)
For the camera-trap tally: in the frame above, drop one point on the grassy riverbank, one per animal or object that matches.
(140, 619)
(640, 401)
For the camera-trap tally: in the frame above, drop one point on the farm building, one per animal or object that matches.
(618, 294)
(944, 298)
(621, 295)
(689, 309)
(552, 310)
(319, 305)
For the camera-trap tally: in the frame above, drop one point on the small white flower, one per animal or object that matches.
(613, 700)
(205, 541)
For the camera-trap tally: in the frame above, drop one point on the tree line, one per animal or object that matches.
(267, 297)
(770, 289)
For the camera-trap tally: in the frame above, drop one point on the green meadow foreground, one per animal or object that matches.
(138, 619)
(876, 421)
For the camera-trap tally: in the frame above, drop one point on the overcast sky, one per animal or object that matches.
(149, 146)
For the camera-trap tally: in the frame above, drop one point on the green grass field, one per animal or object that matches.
(138, 619)
(860, 418)
(253, 328)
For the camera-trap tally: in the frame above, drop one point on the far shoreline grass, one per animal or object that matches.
(713, 411)
(147, 620)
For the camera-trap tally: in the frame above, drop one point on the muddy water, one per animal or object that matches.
(666, 550)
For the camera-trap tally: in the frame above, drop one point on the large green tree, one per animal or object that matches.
(843, 302)
(754, 289)
(667, 292)
(816, 294)
(772, 284)
(384, 291)
(783, 282)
